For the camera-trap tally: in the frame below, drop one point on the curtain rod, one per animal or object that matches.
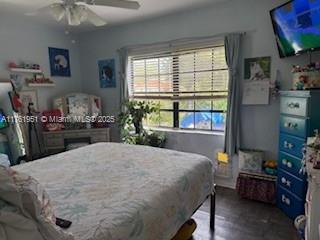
(171, 42)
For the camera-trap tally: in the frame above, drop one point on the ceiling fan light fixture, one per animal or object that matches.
(81, 12)
(72, 17)
(58, 11)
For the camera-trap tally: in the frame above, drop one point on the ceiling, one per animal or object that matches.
(114, 16)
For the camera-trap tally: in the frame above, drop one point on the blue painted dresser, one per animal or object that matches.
(299, 117)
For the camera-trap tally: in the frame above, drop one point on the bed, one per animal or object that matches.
(124, 192)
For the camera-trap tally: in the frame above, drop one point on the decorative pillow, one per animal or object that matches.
(24, 192)
(13, 225)
(250, 160)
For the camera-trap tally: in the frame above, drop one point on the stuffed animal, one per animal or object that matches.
(270, 167)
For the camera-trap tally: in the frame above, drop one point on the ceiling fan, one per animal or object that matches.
(78, 11)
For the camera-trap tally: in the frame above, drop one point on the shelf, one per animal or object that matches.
(24, 70)
(5, 81)
(41, 84)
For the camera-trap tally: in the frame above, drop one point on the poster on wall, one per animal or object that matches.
(59, 62)
(257, 74)
(107, 73)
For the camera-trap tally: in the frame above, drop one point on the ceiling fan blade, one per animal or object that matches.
(95, 19)
(36, 12)
(57, 10)
(115, 3)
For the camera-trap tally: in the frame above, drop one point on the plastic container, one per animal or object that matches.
(4, 145)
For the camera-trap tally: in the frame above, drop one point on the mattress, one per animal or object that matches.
(113, 191)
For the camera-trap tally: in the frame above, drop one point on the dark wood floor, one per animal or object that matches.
(241, 219)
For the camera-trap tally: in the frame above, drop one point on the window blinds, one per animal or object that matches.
(200, 73)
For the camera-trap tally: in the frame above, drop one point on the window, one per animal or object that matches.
(191, 87)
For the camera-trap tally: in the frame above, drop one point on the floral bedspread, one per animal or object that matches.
(112, 191)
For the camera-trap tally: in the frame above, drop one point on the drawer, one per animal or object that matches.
(99, 139)
(291, 145)
(290, 204)
(52, 135)
(294, 126)
(54, 142)
(290, 163)
(294, 106)
(292, 183)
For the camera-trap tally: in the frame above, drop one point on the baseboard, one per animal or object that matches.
(227, 183)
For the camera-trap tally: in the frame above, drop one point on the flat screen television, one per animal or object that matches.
(3, 122)
(297, 26)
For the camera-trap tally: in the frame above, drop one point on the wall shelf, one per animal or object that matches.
(24, 70)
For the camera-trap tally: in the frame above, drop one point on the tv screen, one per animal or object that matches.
(297, 26)
(3, 122)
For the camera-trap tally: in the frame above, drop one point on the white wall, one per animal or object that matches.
(22, 39)
(259, 124)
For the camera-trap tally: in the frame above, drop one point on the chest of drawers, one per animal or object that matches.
(299, 117)
(56, 141)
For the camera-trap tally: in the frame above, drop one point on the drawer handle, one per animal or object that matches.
(287, 163)
(291, 125)
(293, 105)
(286, 182)
(285, 200)
(288, 145)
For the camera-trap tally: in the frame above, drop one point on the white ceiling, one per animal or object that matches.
(149, 9)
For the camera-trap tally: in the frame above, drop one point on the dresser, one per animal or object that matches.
(299, 117)
(312, 206)
(56, 141)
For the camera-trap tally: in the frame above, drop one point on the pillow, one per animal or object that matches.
(250, 160)
(24, 192)
(13, 225)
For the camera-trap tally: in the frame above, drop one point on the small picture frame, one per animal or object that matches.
(59, 62)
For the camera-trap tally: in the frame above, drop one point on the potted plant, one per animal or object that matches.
(134, 113)
(132, 130)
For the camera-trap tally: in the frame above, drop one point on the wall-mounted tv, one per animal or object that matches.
(3, 121)
(297, 26)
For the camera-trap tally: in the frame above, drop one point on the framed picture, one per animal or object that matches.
(59, 62)
(107, 73)
(257, 75)
(27, 97)
(257, 69)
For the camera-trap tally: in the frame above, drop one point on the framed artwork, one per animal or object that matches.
(257, 69)
(107, 73)
(59, 62)
(257, 75)
(27, 97)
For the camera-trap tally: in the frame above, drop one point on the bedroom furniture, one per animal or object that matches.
(299, 117)
(57, 141)
(312, 207)
(121, 191)
(256, 186)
